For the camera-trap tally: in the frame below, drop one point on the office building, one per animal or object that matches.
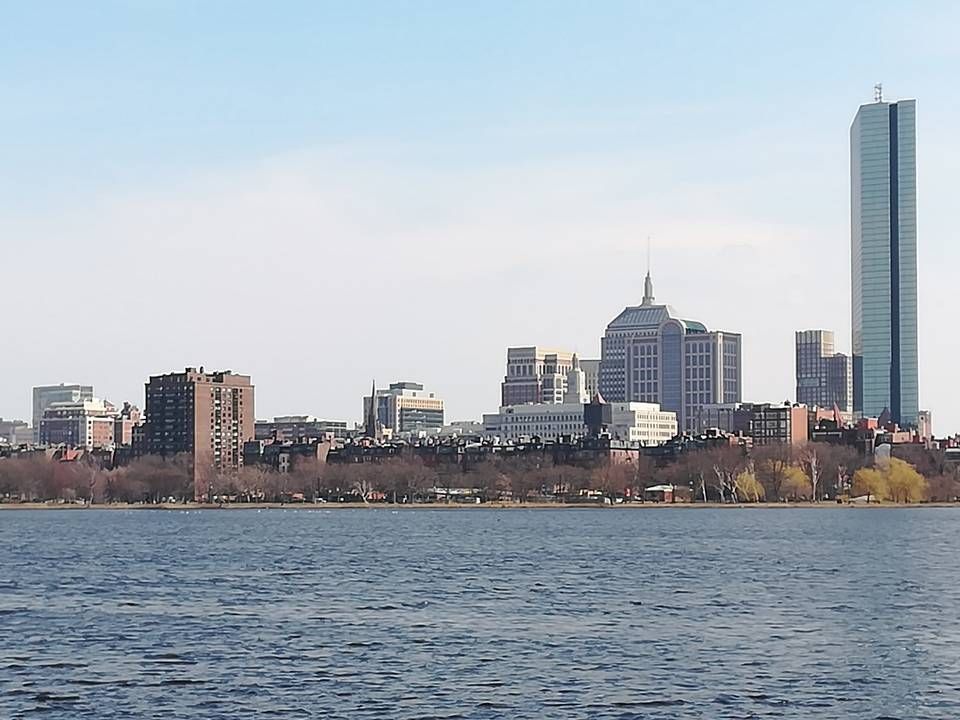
(591, 374)
(643, 423)
(297, 428)
(535, 375)
(206, 416)
(81, 424)
(404, 408)
(45, 395)
(883, 225)
(651, 355)
(824, 376)
(10, 430)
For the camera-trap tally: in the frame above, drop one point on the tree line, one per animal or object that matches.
(814, 472)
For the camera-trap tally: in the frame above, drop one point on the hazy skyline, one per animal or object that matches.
(318, 195)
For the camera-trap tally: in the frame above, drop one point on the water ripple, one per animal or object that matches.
(417, 614)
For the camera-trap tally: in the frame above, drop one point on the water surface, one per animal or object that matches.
(665, 613)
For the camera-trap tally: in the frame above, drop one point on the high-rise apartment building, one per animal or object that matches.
(535, 375)
(206, 416)
(883, 229)
(405, 407)
(824, 376)
(46, 395)
(649, 355)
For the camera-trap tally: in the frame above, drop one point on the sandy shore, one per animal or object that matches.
(465, 507)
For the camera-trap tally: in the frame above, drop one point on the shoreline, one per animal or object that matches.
(311, 507)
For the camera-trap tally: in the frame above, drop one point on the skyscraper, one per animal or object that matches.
(207, 416)
(535, 375)
(883, 230)
(824, 378)
(650, 355)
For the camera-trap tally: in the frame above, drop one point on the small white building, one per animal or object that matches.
(644, 423)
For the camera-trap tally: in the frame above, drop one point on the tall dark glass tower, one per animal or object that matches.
(883, 229)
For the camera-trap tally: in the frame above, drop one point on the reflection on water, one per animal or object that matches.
(665, 613)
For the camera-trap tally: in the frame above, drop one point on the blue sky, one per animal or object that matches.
(403, 189)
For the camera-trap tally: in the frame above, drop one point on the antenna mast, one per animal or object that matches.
(878, 93)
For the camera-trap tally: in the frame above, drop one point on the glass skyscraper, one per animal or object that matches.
(883, 225)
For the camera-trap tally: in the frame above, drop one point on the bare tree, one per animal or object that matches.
(809, 456)
(727, 463)
(772, 462)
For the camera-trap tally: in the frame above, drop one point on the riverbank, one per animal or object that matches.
(183, 507)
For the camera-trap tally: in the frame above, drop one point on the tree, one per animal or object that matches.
(307, 475)
(726, 463)
(944, 487)
(644, 475)
(613, 479)
(809, 456)
(904, 483)
(837, 466)
(870, 482)
(749, 487)
(489, 478)
(796, 483)
(253, 482)
(771, 462)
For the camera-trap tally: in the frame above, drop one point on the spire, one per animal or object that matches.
(370, 421)
(648, 298)
(576, 384)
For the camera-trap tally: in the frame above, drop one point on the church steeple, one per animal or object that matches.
(370, 420)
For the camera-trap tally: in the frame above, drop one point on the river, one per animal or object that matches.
(659, 613)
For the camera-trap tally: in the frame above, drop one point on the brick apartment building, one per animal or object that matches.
(207, 416)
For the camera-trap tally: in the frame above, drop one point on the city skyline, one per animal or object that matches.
(459, 201)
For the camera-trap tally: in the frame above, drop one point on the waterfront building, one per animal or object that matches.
(207, 416)
(82, 424)
(535, 375)
(403, 408)
(824, 376)
(650, 354)
(45, 395)
(883, 230)
(296, 428)
(764, 423)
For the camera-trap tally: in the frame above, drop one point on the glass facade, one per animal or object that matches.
(884, 261)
